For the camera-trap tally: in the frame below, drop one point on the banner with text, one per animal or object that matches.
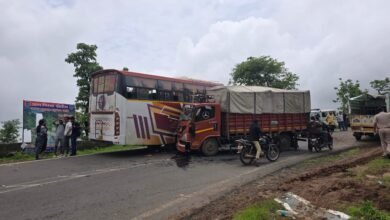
(34, 111)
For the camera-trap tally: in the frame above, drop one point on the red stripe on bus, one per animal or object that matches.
(142, 126)
(147, 127)
(136, 125)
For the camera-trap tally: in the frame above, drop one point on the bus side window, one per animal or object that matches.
(164, 95)
(187, 96)
(152, 94)
(177, 96)
(131, 92)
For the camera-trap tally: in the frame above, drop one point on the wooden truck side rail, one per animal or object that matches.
(275, 123)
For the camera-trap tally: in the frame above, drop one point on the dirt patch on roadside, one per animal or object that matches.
(335, 185)
(330, 186)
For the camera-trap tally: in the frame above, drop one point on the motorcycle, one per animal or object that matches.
(319, 141)
(247, 150)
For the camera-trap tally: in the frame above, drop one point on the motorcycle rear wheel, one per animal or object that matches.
(244, 159)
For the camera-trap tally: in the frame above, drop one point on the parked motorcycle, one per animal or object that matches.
(247, 150)
(319, 141)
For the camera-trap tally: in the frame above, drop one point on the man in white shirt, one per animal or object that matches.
(67, 134)
(60, 130)
(382, 127)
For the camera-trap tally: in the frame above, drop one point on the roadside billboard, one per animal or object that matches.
(33, 111)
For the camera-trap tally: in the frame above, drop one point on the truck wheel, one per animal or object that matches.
(358, 136)
(210, 147)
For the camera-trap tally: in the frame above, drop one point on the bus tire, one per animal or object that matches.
(210, 147)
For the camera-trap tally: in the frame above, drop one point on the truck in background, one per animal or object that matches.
(212, 126)
(362, 110)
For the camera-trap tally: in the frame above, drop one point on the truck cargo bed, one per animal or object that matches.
(238, 124)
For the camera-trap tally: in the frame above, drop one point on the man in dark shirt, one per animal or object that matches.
(254, 136)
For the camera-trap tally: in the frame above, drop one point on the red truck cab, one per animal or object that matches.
(200, 128)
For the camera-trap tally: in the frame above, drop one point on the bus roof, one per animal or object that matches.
(150, 76)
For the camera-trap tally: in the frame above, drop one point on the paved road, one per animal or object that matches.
(129, 185)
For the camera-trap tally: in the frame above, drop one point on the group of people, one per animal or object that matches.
(341, 118)
(65, 139)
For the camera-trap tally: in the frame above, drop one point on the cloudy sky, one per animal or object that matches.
(318, 40)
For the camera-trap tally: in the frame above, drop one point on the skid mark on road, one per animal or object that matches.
(62, 178)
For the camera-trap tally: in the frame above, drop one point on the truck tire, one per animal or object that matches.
(210, 147)
(358, 136)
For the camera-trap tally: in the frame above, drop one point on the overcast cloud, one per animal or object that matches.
(318, 40)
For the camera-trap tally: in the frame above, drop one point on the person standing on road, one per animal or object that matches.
(346, 123)
(382, 127)
(340, 121)
(76, 132)
(254, 136)
(59, 137)
(41, 140)
(67, 134)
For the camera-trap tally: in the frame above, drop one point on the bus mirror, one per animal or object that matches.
(129, 89)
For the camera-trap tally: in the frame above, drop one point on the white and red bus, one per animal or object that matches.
(130, 108)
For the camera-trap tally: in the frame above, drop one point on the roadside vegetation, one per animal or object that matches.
(20, 156)
(367, 211)
(363, 188)
(261, 211)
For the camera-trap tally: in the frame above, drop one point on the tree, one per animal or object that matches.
(9, 132)
(263, 71)
(381, 85)
(84, 61)
(346, 90)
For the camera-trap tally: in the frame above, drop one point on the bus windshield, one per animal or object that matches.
(104, 83)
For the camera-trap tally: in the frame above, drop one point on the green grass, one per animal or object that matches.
(367, 211)
(329, 158)
(375, 167)
(378, 165)
(261, 211)
(19, 156)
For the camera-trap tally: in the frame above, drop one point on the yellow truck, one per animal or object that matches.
(362, 110)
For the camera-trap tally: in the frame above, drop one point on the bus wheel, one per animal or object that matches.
(210, 147)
